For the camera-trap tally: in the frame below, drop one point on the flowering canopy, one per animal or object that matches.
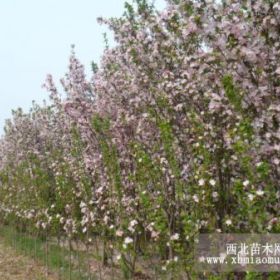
(176, 133)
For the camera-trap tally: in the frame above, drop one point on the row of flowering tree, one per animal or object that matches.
(176, 133)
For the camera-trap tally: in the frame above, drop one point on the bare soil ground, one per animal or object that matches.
(14, 266)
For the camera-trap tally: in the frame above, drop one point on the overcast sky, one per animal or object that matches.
(36, 36)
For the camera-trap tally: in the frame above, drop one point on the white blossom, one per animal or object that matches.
(212, 182)
(195, 198)
(175, 236)
(260, 192)
(119, 233)
(246, 183)
(215, 194)
(128, 240)
(201, 182)
(228, 222)
(251, 196)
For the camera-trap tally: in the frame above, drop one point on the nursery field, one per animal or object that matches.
(15, 266)
(175, 134)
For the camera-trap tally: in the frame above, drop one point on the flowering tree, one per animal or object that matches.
(176, 133)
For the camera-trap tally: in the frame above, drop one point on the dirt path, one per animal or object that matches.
(14, 266)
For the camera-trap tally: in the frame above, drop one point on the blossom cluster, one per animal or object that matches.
(176, 133)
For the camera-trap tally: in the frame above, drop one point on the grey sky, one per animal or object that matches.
(36, 36)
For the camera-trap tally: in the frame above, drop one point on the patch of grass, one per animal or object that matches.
(68, 265)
